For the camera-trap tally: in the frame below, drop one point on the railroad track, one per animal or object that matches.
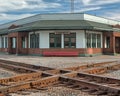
(40, 77)
(95, 68)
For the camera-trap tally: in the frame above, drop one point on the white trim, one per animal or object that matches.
(93, 32)
(91, 40)
(4, 41)
(62, 40)
(96, 42)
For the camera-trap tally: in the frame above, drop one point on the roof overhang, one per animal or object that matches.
(62, 25)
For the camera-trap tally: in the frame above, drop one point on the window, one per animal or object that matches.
(70, 40)
(34, 40)
(2, 46)
(93, 40)
(14, 42)
(23, 42)
(6, 42)
(98, 41)
(88, 37)
(55, 40)
(107, 42)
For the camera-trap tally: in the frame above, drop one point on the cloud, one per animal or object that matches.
(99, 2)
(86, 2)
(16, 9)
(112, 15)
(88, 9)
(85, 9)
(7, 17)
(11, 5)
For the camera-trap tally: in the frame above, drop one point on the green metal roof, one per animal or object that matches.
(4, 31)
(62, 25)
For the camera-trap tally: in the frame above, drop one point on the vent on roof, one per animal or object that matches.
(13, 26)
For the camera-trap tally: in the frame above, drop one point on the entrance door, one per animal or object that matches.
(117, 44)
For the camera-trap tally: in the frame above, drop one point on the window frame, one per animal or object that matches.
(56, 40)
(93, 42)
(69, 42)
(34, 39)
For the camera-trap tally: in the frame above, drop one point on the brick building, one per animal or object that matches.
(66, 34)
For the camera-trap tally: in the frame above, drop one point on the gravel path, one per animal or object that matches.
(5, 73)
(114, 74)
(56, 91)
(59, 62)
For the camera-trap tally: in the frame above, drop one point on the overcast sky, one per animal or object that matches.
(15, 9)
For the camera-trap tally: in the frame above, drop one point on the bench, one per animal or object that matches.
(60, 53)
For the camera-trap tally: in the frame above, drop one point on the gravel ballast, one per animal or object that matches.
(59, 62)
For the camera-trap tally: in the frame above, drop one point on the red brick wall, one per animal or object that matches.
(79, 50)
(3, 49)
(94, 50)
(39, 51)
(116, 34)
(18, 49)
(34, 51)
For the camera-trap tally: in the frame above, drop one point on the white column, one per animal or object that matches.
(91, 40)
(29, 40)
(62, 40)
(44, 39)
(80, 39)
(4, 41)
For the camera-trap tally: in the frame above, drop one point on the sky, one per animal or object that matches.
(11, 10)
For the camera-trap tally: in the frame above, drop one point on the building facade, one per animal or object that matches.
(61, 35)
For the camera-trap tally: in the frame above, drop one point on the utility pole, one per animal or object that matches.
(72, 6)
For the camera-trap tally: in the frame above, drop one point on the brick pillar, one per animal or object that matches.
(18, 46)
(19, 49)
(9, 45)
